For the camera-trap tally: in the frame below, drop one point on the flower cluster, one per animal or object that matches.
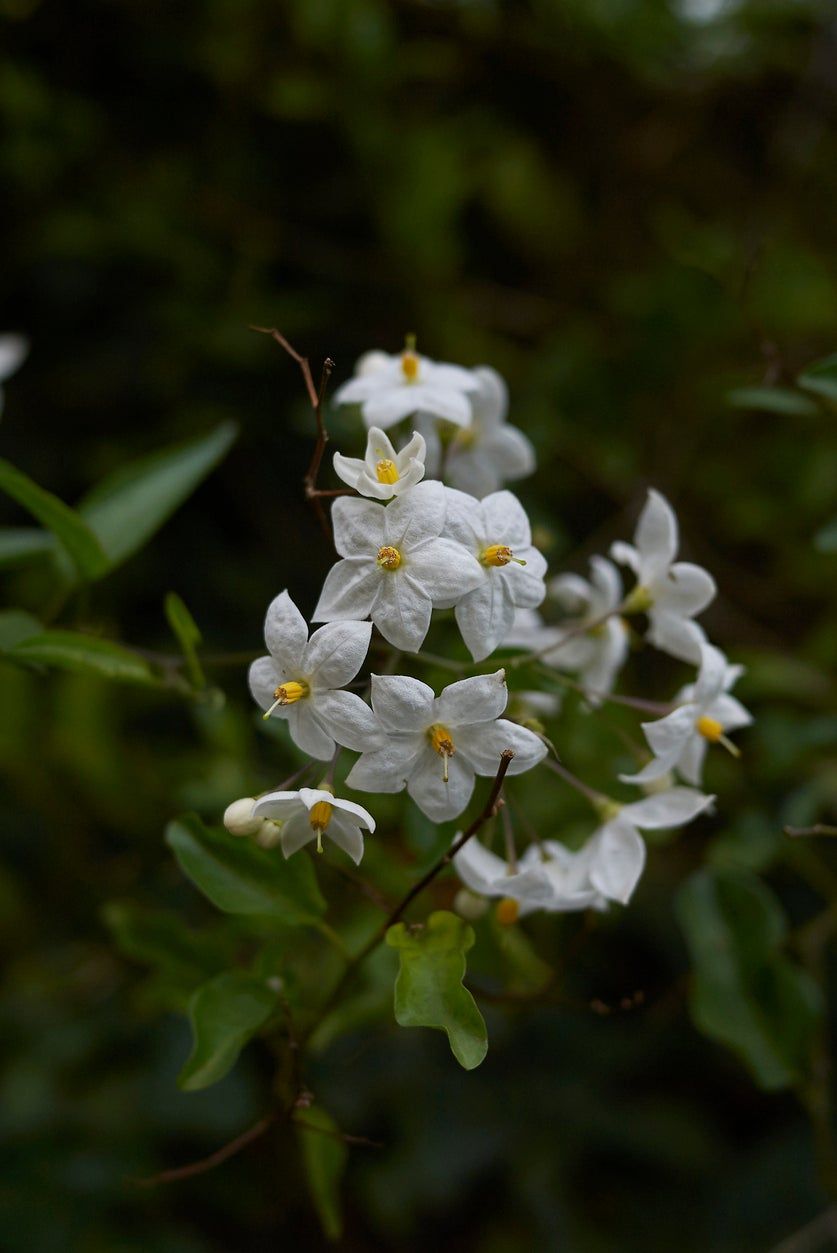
(429, 527)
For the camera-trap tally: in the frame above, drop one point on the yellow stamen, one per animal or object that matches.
(386, 471)
(508, 910)
(499, 555)
(409, 365)
(442, 741)
(288, 694)
(388, 558)
(639, 601)
(709, 728)
(319, 817)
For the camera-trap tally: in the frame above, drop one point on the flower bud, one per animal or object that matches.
(238, 817)
(269, 834)
(469, 906)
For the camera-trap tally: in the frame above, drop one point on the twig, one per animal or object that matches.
(214, 1159)
(819, 828)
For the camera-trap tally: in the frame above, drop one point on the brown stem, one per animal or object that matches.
(214, 1159)
(819, 828)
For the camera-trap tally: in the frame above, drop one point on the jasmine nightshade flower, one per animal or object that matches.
(13, 350)
(383, 473)
(311, 813)
(395, 566)
(389, 388)
(598, 651)
(481, 457)
(705, 714)
(670, 592)
(436, 745)
(496, 531)
(299, 680)
(521, 889)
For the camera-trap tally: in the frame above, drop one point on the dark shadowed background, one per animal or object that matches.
(627, 207)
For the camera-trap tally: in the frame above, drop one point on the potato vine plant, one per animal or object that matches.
(429, 544)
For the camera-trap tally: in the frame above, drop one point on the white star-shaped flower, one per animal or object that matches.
(496, 531)
(483, 872)
(481, 457)
(311, 813)
(395, 566)
(436, 745)
(383, 473)
(597, 652)
(13, 350)
(705, 714)
(670, 592)
(389, 388)
(300, 679)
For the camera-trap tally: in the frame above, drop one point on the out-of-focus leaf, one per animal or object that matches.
(22, 544)
(825, 540)
(324, 1155)
(71, 530)
(745, 992)
(128, 506)
(429, 991)
(16, 625)
(773, 400)
(163, 942)
(241, 878)
(84, 654)
(188, 635)
(821, 377)
(225, 1013)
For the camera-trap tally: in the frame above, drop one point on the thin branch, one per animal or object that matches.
(819, 828)
(595, 798)
(214, 1159)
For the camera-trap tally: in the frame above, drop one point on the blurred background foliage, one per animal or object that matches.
(626, 206)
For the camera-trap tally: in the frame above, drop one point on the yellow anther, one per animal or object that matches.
(709, 728)
(499, 555)
(388, 558)
(319, 816)
(288, 694)
(386, 471)
(639, 601)
(409, 365)
(508, 911)
(442, 741)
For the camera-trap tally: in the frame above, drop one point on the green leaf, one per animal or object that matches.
(16, 625)
(225, 1013)
(188, 636)
(72, 532)
(324, 1156)
(745, 992)
(130, 505)
(821, 377)
(164, 942)
(241, 878)
(21, 544)
(84, 654)
(772, 400)
(825, 540)
(429, 991)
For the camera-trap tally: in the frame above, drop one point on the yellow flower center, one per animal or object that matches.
(710, 729)
(319, 816)
(442, 741)
(386, 471)
(499, 555)
(508, 910)
(288, 694)
(388, 558)
(639, 601)
(409, 365)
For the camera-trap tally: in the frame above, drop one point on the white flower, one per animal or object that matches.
(671, 592)
(238, 817)
(597, 653)
(496, 531)
(298, 681)
(389, 388)
(706, 713)
(13, 350)
(396, 567)
(383, 473)
(481, 457)
(311, 813)
(528, 884)
(435, 745)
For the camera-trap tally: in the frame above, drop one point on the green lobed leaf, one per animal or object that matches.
(241, 878)
(324, 1156)
(84, 654)
(745, 992)
(188, 636)
(72, 531)
(16, 625)
(130, 505)
(773, 400)
(21, 544)
(429, 990)
(225, 1013)
(821, 377)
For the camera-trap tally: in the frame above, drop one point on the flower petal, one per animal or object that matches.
(619, 860)
(480, 699)
(345, 833)
(711, 676)
(463, 520)
(295, 834)
(417, 516)
(512, 452)
(402, 610)
(346, 717)
(479, 869)
(446, 570)
(452, 406)
(401, 703)
(672, 808)
(386, 769)
(349, 591)
(263, 678)
(358, 526)
(279, 805)
(483, 745)
(285, 631)
(307, 732)
(677, 636)
(656, 537)
(349, 469)
(690, 765)
(387, 406)
(439, 800)
(506, 521)
(687, 590)
(335, 653)
(485, 616)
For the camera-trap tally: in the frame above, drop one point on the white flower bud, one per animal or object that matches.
(239, 819)
(268, 834)
(469, 906)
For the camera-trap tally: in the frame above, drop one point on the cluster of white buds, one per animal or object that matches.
(432, 528)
